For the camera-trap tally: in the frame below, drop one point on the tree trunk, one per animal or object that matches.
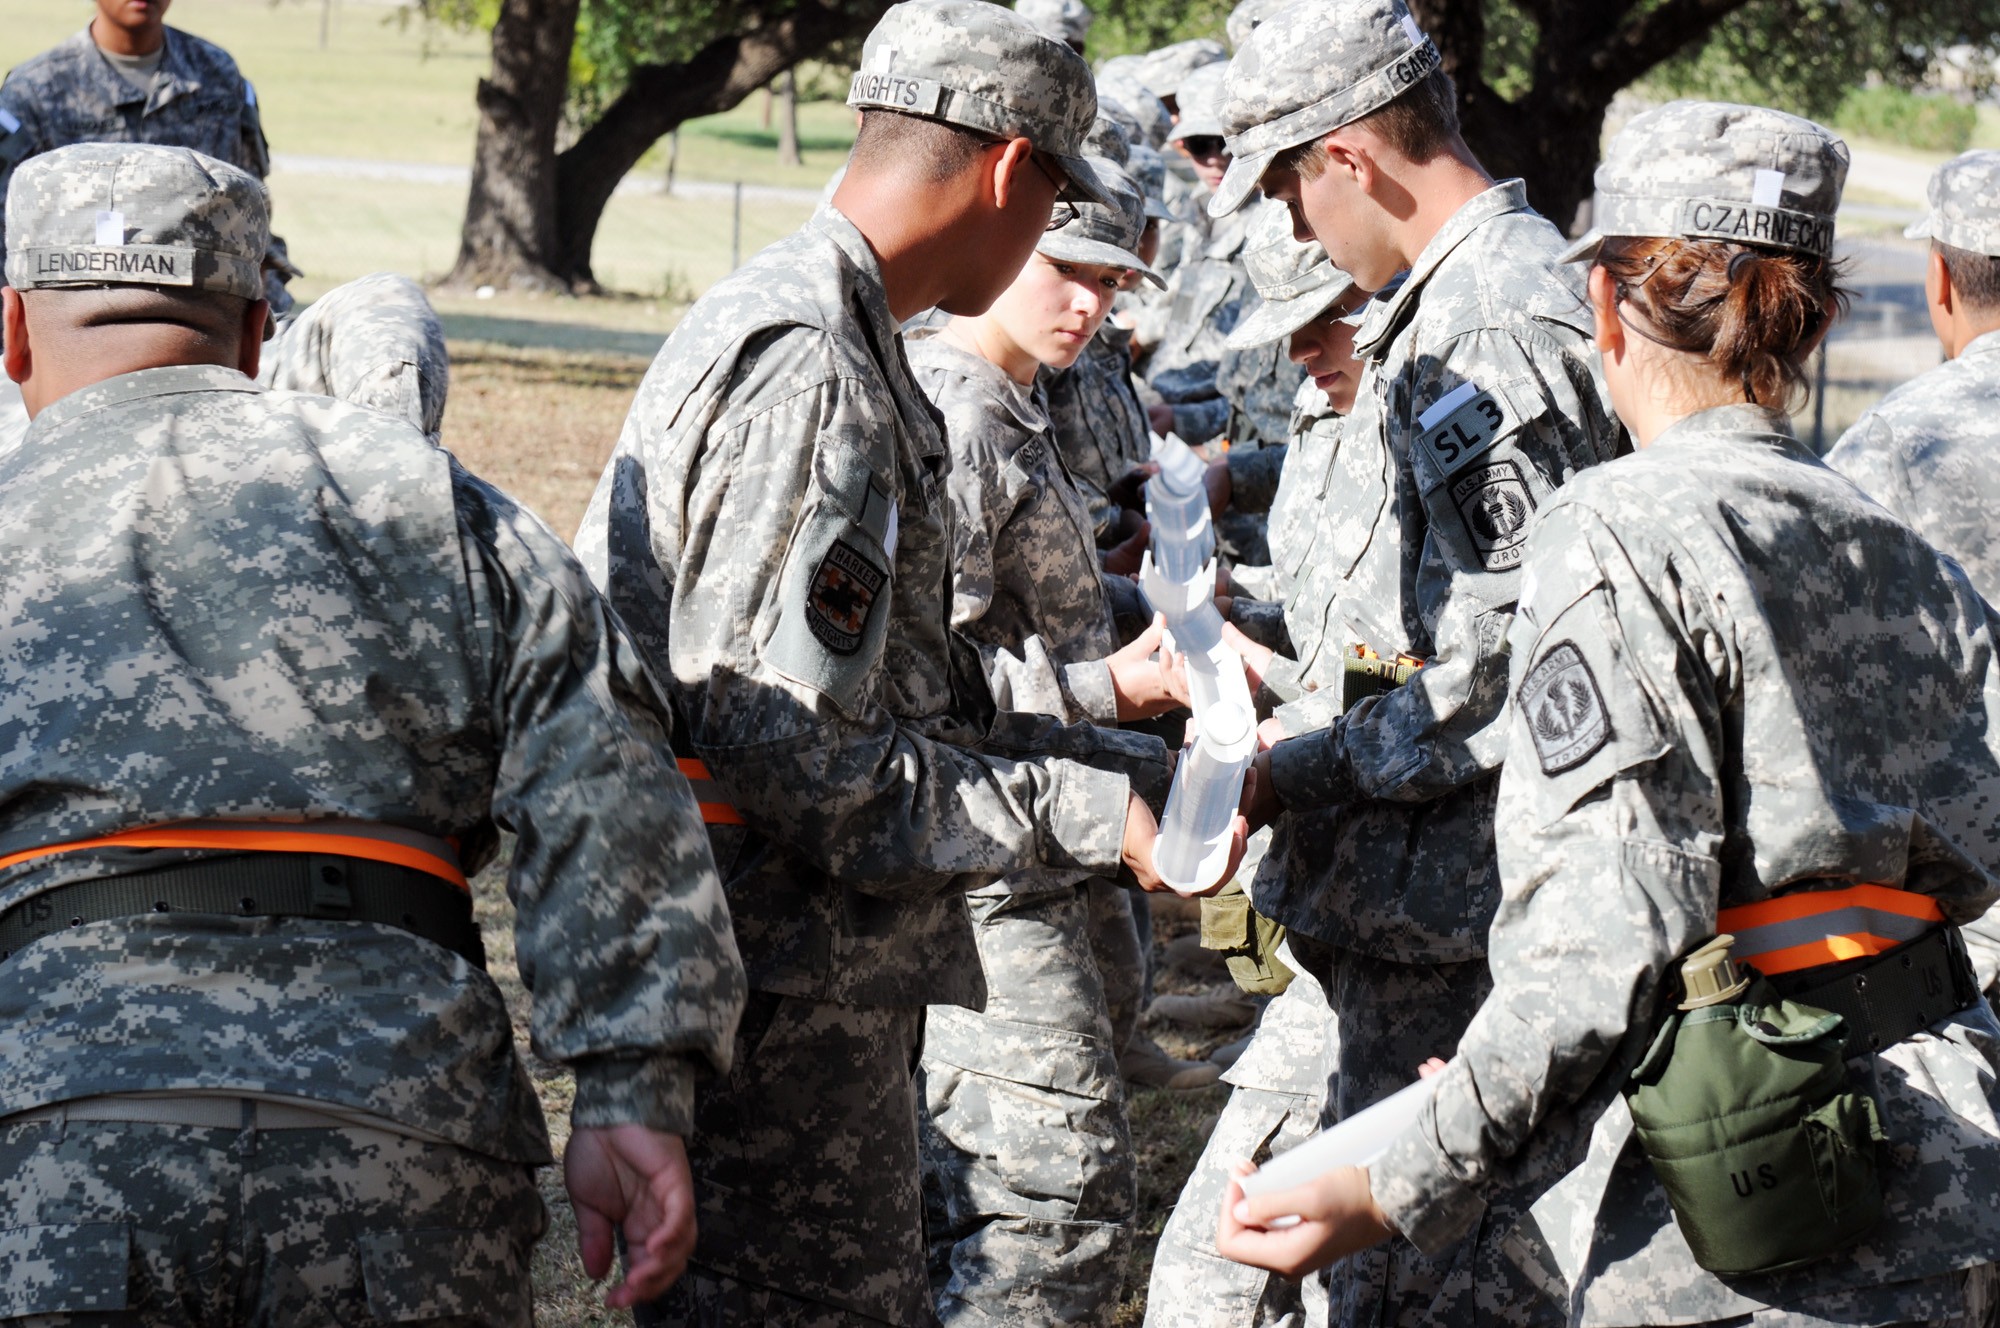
(1586, 51)
(659, 97)
(511, 236)
(788, 120)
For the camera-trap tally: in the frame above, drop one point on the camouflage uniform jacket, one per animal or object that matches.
(1926, 452)
(374, 341)
(1099, 424)
(1204, 299)
(1259, 384)
(1693, 728)
(71, 94)
(774, 528)
(1480, 396)
(228, 602)
(1291, 482)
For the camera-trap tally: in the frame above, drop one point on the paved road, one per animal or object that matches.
(412, 172)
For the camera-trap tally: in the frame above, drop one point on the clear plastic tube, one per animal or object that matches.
(1181, 470)
(1355, 1142)
(1187, 602)
(1181, 531)
(1192, 851)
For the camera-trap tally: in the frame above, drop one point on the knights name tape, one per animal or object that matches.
(142, 263)
(919, 96)
(1756, 225)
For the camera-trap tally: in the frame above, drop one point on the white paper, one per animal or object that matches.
(110, 228)
(1768, 189)
(1448, 403)
(1412, 31)
(7, 121)
(1355, 1142)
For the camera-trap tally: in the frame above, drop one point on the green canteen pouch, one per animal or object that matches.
(1768, 1157)
(1247, 940)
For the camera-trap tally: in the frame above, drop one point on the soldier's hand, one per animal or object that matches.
(1260, 805)
(1146, 686)
(1219, 488)
(633, 1179)
(1123, 559)
(1299, 1230)
(1129, 489)
(1160, 419)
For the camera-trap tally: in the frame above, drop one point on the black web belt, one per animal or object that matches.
(1887, 997)
(259, 885)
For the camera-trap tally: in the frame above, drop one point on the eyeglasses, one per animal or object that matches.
(1064, 211)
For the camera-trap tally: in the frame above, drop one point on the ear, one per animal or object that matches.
(1610, 336)
(250, 353)
(1937, 283)
(1349, 154)
(1006, 171)
(14, 322)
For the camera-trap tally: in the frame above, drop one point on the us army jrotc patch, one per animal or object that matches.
(1564, 709)
(838, 601)
(1495, 505)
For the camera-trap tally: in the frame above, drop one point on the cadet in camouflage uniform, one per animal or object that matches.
(1280, 1081)
(252, 1069)
(1028, 1157)
(1481, 395)
(774, 527)
(1676, 755)
(129, 78)
(1068, 21)
(375, 342)
(1183, 337)
(1926, 450)
(1163, 72)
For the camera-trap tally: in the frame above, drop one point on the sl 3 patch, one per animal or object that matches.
(1564, 709)
(1495, 504)
(843, 591)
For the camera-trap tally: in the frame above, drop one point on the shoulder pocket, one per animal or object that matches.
(65, 1268)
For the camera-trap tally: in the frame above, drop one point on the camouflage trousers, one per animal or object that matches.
(1116, 945)
(1280, 1089)
(1392, 1018)
(1029, 1182)
(116, 1224)
(805, 1173)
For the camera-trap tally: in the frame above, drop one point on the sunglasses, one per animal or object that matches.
(1205, 145)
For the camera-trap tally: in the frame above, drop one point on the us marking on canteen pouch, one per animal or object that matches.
(1247, 940)
(345, 871)
(1369, 674)
(1742, 1106)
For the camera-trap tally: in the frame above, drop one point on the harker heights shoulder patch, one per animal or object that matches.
(843, 590)
(1564, 709)
(1495, 505)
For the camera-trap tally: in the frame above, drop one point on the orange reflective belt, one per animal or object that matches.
(352, 839)
(1816, 927)
(714, 810)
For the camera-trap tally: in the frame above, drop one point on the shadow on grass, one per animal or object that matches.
(768, 138)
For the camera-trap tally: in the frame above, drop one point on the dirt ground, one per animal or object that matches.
(541, 424)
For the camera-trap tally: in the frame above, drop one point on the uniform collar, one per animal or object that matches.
(1023, 401)
(863, 291)
(172, 380)
(1385, 318)
(1735, 421)
(1986, 343)
(174, 77)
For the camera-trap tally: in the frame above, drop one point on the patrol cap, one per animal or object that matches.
(1101, 234)
(1308, 69)
(1148, 170)
(136, 214)
(1148, 115)
(1707, 170)
(1965, 204)
(1296, 282)
(981, 67)
(1201, 105)
(1067, 21)
(1243, 19)
(1166, 69)
(1107, 137)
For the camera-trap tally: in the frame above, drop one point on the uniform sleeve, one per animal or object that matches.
(1020, 673)
(621, 928)
(19, 140)
(1253, 476)
(1611, 811)
(1492, 441)
(773, 637)
(1869, 455)
(256, 149)
(1199, 421)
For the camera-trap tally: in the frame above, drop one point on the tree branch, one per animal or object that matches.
(1653, 37)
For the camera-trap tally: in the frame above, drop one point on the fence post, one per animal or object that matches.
(1819, 404)
(736, 227)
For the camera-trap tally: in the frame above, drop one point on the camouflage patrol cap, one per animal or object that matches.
(981, 67)
(136, 214)
(1107, 137)
(1706, 170)
(1308, 69)
(1106, 235)
(1296, 281)
(1965, 204)
(1245, 18)
(1148, 170)
(1065, 20)
(1201, 105)
(1149, 118)
(1166, 69)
